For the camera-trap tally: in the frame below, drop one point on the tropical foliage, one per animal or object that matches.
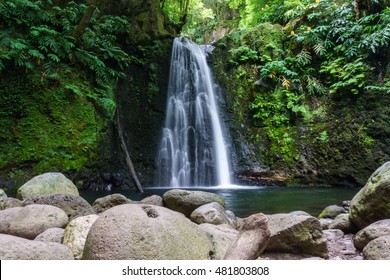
(39, 37)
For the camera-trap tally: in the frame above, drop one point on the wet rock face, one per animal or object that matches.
(372, 202)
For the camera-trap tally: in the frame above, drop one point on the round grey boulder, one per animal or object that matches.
(212, 213)
(378, 249)
(12, 202)
(153, 200)
(47, 183)
(187, 201)
(73, 205)
(372, 202)
(103, 203)
(51, 235)
(31, 220)
(332, 211)
(371, 232)
(17, 248)
(76, 233)
(343, 223)
(145, 232)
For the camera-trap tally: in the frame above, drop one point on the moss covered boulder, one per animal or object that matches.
(372, 202)
(47, 183)
(145, 232)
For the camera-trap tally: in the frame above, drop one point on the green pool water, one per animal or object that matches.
(247, 200)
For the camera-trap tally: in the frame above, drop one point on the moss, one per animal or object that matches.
(45, 126)
(334, 140)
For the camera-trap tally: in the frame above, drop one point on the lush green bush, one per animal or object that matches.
(39, 37)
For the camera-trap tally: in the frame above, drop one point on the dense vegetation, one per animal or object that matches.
(307, 81)
(58, 69)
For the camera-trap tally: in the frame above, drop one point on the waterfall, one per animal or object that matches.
(192, 148)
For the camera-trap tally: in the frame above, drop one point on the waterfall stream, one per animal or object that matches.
(192, 148)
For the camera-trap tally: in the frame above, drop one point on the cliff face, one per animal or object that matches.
(51, 126)
(339, 140)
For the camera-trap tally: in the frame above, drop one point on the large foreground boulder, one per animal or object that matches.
(296, 234)
(252, 239)
(17, 248)
(378, 249)
(76, 233)
(29, 221)
(47, 183)
(187, 201)
(145, 232)
(371, 232)
(372, 202)
(73, 205)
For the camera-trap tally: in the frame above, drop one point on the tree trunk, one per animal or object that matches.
(126, 154)
(79, 30)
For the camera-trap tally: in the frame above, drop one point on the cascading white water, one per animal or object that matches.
(192, 149)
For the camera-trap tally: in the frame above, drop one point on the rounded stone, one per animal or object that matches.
(343, 223)
(145, 232)
(371, 232)
(103, 203)
(186, 202)
(378, 249)
(47, 183)
(153, 200)
(73, 205)
(17, 248)
(296, 234)
(31, 220)
(212, 213)
(332, 211)
(51, 235)
(372, 202)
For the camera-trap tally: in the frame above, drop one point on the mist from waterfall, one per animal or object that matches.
(192, 148)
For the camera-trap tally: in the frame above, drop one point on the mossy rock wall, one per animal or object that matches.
(141, 100)
(342, 141)
(46, 127)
